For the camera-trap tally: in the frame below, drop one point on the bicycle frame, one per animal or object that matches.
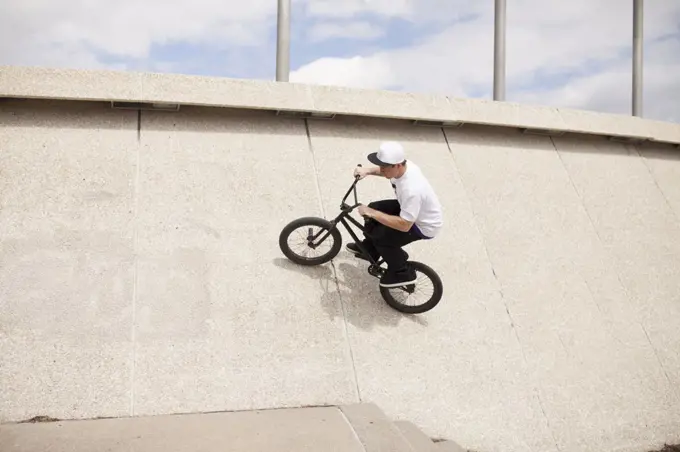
(343, 216)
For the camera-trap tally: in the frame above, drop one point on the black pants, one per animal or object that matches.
(381, 240)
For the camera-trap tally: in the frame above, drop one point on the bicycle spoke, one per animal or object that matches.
(305, 249)
(401, 295)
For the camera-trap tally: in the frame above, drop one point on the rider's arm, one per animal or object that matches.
(391, 221)
(410, 208)
(374, 171)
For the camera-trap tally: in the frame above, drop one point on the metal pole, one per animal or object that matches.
(637, 57)
(499, 51)
(283, 41)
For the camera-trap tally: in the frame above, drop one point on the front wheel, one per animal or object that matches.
(428, 284)
(311, 234)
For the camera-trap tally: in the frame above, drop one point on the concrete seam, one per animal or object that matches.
(486, 249)
(135, 274)
(592, 223)
(399, 432)
(351, 427)
(335, 270)
(545, 415)
(597, 234)
(656, 354)
(500, 290)
(587, 212)
(663, 194)
(599, 238)
(314, 167)
(346, 334)
(670, 207)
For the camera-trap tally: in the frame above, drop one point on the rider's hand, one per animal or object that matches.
(361, 172)
(365, 210)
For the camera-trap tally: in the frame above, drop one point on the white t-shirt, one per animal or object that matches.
(418, 201)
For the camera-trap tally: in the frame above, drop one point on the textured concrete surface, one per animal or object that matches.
(418, 440)
(448, 446)
(221, 319)
(286, 430)
(66, 260)
(374, 430)
(560, 230)
(458, 360)
(140, 274)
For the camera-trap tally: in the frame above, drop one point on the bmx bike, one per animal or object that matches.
(329, 229)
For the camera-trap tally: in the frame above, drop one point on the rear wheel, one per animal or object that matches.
(309, 236)
(419, 297)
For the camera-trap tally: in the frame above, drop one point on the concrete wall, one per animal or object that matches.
(177, 89)
(140, 274)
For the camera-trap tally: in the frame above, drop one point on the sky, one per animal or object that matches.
(575, 53)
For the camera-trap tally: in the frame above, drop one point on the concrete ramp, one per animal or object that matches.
(221, 319)
(573, 229)
(462, 357)
(67, 259)
(140, 271)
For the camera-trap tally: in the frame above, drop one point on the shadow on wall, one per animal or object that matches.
(79, 114)
(357, 291)
(64, 114)
(669, 448)
(473, 136)
(660, 152)
(61, 114)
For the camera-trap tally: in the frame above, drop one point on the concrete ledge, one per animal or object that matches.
(324, 101)
(284, 430)
(345, 428)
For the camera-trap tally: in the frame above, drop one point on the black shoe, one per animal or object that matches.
(354, 249)
(399, 278)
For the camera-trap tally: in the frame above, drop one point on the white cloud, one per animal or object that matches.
(559, 53)
(74, 32)
(411, 10)
(610, 90)
(334, 30)
(78, 33)
(350, 8)
(355, 72)
(584, 45)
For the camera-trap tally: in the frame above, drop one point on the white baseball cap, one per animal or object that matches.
(389, 153)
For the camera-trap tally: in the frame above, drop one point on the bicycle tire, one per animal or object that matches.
(424, 307)
(310, 221)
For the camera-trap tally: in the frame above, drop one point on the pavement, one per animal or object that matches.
(349, 428)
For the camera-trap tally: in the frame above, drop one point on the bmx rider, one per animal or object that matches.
(416, 214)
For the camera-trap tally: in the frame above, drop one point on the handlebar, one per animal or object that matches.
(353, 187)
